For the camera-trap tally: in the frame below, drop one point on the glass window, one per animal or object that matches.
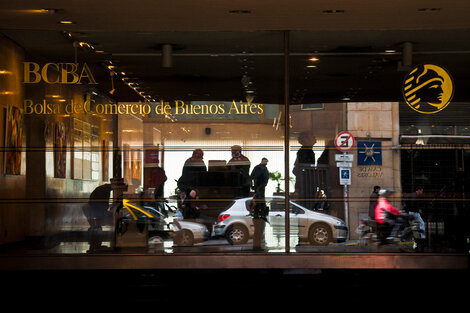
(161, 146)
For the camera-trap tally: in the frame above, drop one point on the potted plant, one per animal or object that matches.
(277, 177)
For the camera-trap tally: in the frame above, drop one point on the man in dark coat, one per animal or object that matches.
(96, 210)
(242, 164)
(260, 177)
(192, 166)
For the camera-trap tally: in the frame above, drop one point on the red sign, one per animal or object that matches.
(344, 141)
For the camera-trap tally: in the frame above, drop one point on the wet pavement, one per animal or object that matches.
(83, 242)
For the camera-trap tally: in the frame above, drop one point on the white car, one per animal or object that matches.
(236, 224)
(188, 233)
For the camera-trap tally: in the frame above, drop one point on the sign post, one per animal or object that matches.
(344, 142)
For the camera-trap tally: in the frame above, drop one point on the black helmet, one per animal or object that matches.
(386, 192)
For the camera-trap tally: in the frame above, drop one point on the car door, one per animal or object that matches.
(276, 216)
(298, 221)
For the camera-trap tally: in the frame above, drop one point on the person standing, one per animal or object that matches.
(241, 164)
(192, 166)
(412, 206)
(190, 207)
(260, 177)
(305, 160)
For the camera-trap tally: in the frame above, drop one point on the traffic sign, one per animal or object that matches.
(344, 157)
(344, 141)
(344, 164)
(345, 176)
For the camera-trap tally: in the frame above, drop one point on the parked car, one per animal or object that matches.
(184, 233)
(187, 233)
(236, 224)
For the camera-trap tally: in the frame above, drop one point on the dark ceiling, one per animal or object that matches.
(211, 58)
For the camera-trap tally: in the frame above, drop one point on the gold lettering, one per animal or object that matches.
(260, 108)
(121, 106)
(179, 105)
(157, 106)
(72, 108)
(221, 108)
(197, 109)
(87, 105)
(28, 106)
(86, 72)
(211, 107)
(136, 107)
(146, 109)
(28, 70)
(99, 108)
(65, 72)
(111, 107)
(233, 107)
(45, 76)
(167, 110)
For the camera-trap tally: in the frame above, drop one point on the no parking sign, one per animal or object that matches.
(344, 141)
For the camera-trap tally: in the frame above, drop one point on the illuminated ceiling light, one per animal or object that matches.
(99, 51)
(36, 11)
(390, 51)
(311, 66)
(66, 22)
(419, 140)
(314, 59)
(49, 10)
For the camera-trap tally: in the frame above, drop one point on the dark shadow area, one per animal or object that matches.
(249, 288)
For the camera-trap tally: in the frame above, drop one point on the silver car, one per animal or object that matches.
(237, 226)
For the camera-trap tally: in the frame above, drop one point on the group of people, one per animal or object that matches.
(187, 184)
(385, 214)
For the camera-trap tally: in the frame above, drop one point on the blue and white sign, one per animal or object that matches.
(369, 153)
(345, 176)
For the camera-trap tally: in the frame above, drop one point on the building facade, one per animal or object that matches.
(104, 138)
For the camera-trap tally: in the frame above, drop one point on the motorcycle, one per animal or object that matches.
(408, 231)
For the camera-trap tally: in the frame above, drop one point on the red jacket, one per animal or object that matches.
(381, 208)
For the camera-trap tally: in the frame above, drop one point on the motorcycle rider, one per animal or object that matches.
(386, 216)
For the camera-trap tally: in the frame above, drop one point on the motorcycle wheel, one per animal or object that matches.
(366, 239)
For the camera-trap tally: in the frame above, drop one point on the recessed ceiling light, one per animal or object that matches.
(428, 9)
(66, 22)
(314, 59)
(239, 11)
(311, 66)
(390, 51)
(333, 11)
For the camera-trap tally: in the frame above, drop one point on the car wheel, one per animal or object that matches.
(184, 238)
(237, 234)
(320, 235)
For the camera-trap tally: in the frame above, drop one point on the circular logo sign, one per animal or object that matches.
(428, 88)
(344, 141)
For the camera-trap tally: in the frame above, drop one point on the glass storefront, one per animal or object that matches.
(229, 142)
